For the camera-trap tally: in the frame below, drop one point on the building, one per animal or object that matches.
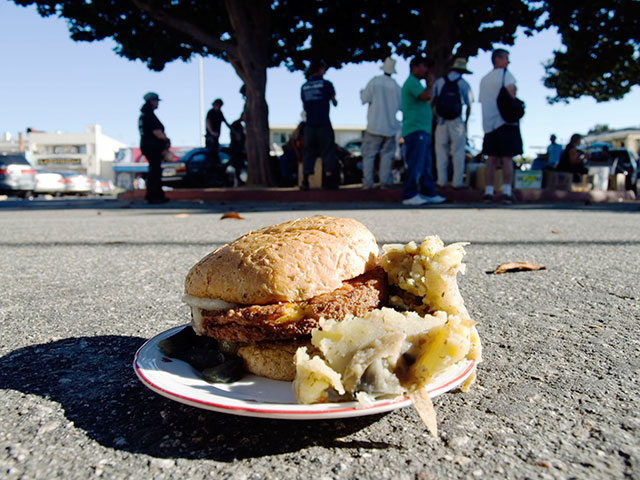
(279, 134)
(90, 152)
(10, 144)
(622, 138)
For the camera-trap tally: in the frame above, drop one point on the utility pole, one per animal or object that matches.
(200, 78)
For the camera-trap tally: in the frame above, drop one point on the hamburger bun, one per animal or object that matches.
(274, 360)
(288, 262)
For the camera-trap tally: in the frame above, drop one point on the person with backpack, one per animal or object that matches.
(451, 92)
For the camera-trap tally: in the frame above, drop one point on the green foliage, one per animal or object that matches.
(602, 48)
(601, 37)
(141, 36)
(600, 128)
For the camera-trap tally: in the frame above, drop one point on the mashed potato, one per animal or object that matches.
(390, 352)
(428, 272)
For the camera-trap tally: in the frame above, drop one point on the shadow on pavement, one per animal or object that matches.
(93, 380)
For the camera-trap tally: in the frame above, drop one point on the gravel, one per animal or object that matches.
(85, 283)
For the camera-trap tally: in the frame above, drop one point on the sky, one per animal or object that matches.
(51, 83)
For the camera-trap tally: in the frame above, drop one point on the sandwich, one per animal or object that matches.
(263, 294)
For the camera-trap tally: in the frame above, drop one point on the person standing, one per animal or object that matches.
(418, 187)
(502, 140)
(215, 119)
(154, 145)
(384, 96)
(451, 93)
(317, 94)
(553, 152)
(237, 150)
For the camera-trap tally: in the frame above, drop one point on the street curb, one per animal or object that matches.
(359, 195)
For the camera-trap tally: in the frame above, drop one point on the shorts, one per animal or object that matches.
(504, 141)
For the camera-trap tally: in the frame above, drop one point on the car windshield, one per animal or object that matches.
(13, 159)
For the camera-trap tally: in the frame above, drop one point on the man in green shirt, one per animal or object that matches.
(419, 187)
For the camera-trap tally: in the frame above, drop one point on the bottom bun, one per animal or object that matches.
(274, 360)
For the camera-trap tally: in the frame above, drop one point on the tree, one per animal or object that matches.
(252, 35)
(442, 30)
(602, 49)
(601, 39)
(600, 128)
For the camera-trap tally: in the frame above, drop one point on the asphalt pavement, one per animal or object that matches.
(86, 282)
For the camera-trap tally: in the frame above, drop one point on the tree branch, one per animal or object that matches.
(187, 28)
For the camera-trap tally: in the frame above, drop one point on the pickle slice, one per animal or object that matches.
(178, 342)
(228, 371)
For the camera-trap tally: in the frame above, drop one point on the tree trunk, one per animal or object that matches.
(251, 24)
(440, 28)
(257, 141)
(249, 54)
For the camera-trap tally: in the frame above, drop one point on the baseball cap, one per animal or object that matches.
(151, 96)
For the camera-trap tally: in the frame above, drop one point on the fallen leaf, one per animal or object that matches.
(517, 267)
(231, 215)
(553, 230)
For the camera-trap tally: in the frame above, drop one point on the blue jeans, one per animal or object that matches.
(417, 157)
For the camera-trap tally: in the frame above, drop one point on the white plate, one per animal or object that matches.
(257, 396)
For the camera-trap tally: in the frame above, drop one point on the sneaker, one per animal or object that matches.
(434, 199)
(487, 198)
(415, 201)
(507, 199)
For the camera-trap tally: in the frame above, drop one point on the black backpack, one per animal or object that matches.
(511, 108)
(448, 103)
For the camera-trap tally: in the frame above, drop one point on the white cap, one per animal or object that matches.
(389, 66)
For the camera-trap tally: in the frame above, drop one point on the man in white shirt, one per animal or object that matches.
(383, 95)
(451, 133)
(502, 140)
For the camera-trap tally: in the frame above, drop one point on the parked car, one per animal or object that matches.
(101, 186)
(193, 170)
(354, 147)
(76, 183)
(17, 176)
(48, 182)
(619, 160)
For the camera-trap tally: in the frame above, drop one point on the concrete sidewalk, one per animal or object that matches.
(355, 194)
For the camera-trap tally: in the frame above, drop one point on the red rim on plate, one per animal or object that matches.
(178, 381)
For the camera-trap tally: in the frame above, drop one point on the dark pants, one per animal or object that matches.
(154, 178)
(213, 150)
(417, 156)
(319, 141)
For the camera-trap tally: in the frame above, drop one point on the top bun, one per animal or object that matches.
(291, 261)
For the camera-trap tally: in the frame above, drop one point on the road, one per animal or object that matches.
(86, 282)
